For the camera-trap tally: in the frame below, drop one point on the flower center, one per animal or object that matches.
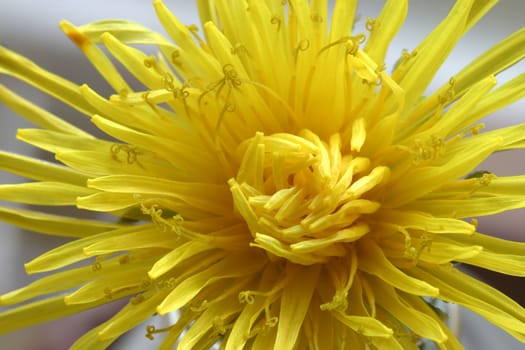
(304, 199)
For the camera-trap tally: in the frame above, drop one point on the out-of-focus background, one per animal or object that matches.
(30, 27)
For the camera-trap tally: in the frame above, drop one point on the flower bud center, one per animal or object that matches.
(304, 199)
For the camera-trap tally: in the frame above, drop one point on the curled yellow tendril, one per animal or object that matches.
(131, 152)
(371, 24)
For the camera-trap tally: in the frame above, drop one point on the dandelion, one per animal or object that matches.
(274, 181)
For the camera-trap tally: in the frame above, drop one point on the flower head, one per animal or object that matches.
(273, 181)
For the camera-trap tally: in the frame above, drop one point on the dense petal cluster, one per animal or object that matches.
(274, 181)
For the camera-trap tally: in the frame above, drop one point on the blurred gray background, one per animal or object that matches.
(30, 27)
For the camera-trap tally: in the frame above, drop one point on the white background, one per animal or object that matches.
(30, 27)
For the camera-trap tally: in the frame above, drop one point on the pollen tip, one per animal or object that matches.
(161, 311)
(85, 251)
(19, 134)
(29, 268)
(152, 274)
(106, 36)
(73, 33)
(158, 3)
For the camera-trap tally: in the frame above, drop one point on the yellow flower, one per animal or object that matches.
(273, 180)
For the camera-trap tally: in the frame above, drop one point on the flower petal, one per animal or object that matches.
(53, 224)
(60, 281)
(97, 58)
(424, 180)
(419, 322)
(73, 251)
(91, 340)
(295, 301)
(43, 193)
(365, 325)
(41, 311)
(385, 27)
(234, 265)
(37, 115)
(37, 169)
(490, 303)
(204, 196)
(373, 261)
(23, 69)
(422, 221)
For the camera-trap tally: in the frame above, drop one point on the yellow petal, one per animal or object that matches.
(492, 244)
(110, 281)
(56, 282)
(490, 303)
(503, 263)
(207, 197)
(234, 265)
(90, 340)
(443, 252)
(358, 134)
(147, 238)
(37, 169)
(214, 320)
(119, 159)
(452, 342)
(434, 49)
(63, 90)
(467, 207)
(206, 11)
(126, 31)
(73, 251)
(173, 258)
(373, 261)
(43, 193)
(425, 222)
(265, 340)
(278, 248)
(53, 224)
(386, 343)
(200, 64)
(423, 180)
(37, 115)
(175, 331)
(97, 58)
(497, 255)
(504, 95)
(180, 154)
(135, 61)
(55, 142)
(112, 202)
(496, 59)
(160, 122)
(502, 55)
(40, 311)
(323, 328)
(368, 326)
(343, 19)
(131, 315)
(295, 301)
(513, 137)
(418, 322)
(459, 116)
(385, 27)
